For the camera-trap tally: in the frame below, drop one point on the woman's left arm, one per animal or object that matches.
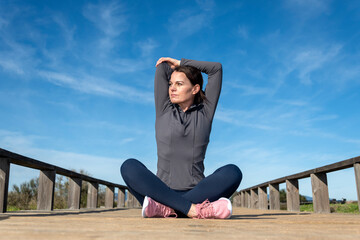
(213, 87)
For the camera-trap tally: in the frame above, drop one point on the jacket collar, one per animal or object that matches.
(191, 108)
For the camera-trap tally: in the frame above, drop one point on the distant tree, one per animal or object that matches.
(302, 199)
(25, 196)
(84, 189)
(283, 197)
(101, 196)
(61, 192)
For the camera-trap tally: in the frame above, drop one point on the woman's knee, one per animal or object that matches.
(233, 172)
(129, 167)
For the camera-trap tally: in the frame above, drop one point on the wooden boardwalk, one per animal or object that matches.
(127, 224)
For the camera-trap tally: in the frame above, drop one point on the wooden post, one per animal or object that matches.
(254, 198)
(274, 197)
(92, 195)
(236, 200)
(137, 203)
(46, 190)
(320, 193)
(109, 197)
(130, 200)
(74, 193)
(248, 199)
(121, 198)
(292, 195)
(263, 199)
(242, 197)
(357, 179)
(245, 200)
(4, 183)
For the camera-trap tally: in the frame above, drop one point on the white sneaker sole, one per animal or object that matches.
(229, 206)
(145, 204)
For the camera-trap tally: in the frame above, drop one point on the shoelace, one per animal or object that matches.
(205, 210)
(166, 211)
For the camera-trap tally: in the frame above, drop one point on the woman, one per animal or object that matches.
(184, 115)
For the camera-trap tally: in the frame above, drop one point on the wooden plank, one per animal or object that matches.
(46, 188)
(109, 197)
(274, 197)
(121, 198)
(74, 193)
(246, 224)
(320, 193)
(263, 199)
(254, 198)
(357, 179)
(4, 183)
(92, 195)
(292, 195)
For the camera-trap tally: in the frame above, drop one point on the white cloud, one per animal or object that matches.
(243, 32)
(308, 60)
(187, 25)
(248, 90)
(306, 9)
(249, 119)
(206, 5)
(91, 85)
(68, 32)
(11, 66)
(146, 47)
(3, 23)
(189, 21)
(108, 18)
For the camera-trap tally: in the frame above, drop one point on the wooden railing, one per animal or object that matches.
(45, 198)
(257, 197)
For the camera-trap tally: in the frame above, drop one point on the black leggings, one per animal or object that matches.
(142, 182)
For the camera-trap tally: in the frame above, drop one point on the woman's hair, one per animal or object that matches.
(195, 77)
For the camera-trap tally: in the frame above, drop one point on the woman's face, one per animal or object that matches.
(181, 91)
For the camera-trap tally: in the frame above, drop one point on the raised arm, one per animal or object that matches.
(162, 77)
(213, 87)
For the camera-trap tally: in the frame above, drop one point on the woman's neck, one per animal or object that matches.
(185, 105)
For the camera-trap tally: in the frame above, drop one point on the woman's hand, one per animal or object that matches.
(173, 63)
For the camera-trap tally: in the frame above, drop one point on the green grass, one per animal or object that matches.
(337, 208)
(12, 208)
(15, 208)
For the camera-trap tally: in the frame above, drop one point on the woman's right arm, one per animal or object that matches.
(161, 86)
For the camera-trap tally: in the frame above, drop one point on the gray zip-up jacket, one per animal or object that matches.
(182, 137)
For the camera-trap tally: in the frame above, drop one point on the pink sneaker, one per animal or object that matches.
(153, 209)
(219, 209)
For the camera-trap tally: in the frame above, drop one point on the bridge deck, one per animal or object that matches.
(127, 224)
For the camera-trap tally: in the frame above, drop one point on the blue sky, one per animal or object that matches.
(76, 83)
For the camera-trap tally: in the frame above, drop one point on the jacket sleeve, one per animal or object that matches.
(161, 87)
(213, 87)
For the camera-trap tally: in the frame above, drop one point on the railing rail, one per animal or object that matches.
(47, 184)
(257, 197)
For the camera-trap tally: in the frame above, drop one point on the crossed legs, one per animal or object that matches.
(142, 182)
